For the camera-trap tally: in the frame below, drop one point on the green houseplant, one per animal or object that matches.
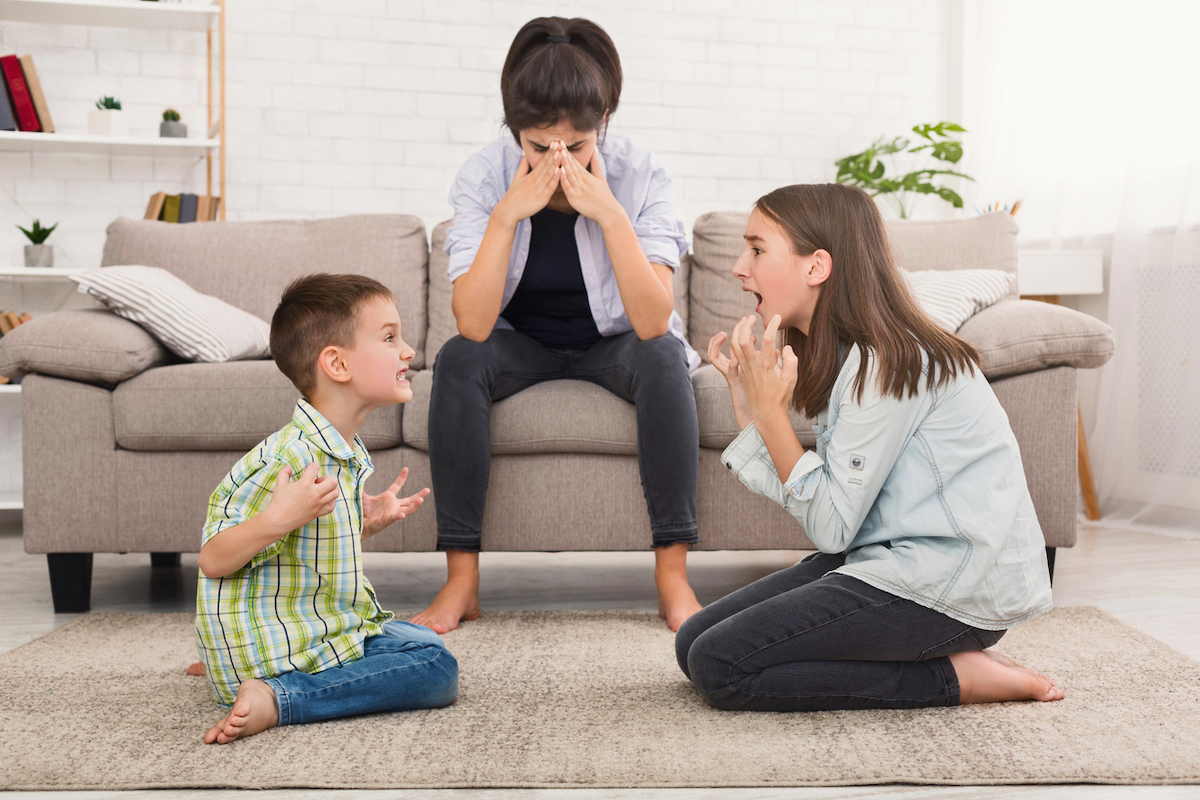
(107, 119)
(171, 126)
(936, 146)
(38, 253)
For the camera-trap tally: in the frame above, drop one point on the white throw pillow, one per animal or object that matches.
(951, 297)
(198, 327)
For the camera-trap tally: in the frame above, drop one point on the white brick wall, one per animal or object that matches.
(340, 107)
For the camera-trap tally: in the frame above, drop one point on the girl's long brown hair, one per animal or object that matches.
(865, 301)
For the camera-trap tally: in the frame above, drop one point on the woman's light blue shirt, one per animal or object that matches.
(937, 476)
(639, 182)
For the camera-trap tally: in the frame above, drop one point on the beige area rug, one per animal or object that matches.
(588, 699)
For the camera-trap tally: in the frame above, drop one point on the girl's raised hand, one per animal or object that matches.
(531, 189)
(729, 368)
(769, 377)
(588, 192)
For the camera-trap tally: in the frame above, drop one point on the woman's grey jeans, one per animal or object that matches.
(805, 639)
(652, 374)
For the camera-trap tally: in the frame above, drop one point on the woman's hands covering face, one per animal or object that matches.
(532, 188)
(587, 191)
(768, 376)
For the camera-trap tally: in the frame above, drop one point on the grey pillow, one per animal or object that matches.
(93, 345)
(1018, 336)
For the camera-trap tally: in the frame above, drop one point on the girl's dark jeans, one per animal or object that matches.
(652, 374)
(805, 640)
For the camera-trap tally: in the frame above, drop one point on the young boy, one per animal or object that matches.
(287, 625)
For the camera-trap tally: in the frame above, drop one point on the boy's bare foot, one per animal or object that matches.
(254, 711)
(196, 670)
(676, 600)
(458, 601)
(987, 676)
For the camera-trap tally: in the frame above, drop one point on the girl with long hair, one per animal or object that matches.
(562, 253)
(928, 545)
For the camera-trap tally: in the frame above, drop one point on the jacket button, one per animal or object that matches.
(728, 466)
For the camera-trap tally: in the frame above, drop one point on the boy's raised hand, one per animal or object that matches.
(729, 368)
(295, 503)
(769, 376)
(381, 510)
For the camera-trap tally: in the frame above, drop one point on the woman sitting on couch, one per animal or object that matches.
(562, 255)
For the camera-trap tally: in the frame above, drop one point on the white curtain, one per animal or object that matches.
(1089, 113)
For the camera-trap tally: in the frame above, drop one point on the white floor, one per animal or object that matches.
(1149, 581)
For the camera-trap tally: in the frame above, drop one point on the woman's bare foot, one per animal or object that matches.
(458, 601)
(254, 711)
(987, 676)
(676, 600)
(196, 670)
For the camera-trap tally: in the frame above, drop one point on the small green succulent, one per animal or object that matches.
(108, 103)
(38, 234)
(170, 115)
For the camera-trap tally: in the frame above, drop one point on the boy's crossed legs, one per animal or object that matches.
(405, 668)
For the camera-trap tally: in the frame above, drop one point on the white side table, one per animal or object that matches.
(1047, 275)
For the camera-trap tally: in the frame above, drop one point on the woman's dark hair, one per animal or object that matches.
(865, 300)
(560, 70)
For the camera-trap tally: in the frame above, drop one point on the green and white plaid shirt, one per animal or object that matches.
(303, 603)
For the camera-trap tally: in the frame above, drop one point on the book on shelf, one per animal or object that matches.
(182, 207)
(5, 324)
(35, 94)
(8, 118)
(13, 319)
(25, 316)
(187, 207)
(155, 208)
(18, 91)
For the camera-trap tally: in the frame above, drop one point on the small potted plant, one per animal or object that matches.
(171, 126)
(39, 254)
(106, 118)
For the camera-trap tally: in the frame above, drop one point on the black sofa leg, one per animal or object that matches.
(1050, 562)
(70, 581)
(165, 560)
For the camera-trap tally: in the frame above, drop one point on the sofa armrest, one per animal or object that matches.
(91, 345)
(1017, 336)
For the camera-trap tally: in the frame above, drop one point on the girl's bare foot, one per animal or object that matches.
(458, 601)
(987, 676)
(676, 600)
(254, 711)
(196, 670)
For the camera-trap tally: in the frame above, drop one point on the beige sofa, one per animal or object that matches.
(123, 444)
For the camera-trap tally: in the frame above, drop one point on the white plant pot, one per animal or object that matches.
(108, 122)
(39, 255)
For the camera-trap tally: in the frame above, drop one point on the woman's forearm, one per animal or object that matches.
(780, 438)
(479, 292)
(644, 292)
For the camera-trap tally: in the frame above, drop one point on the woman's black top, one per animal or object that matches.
(551, 302)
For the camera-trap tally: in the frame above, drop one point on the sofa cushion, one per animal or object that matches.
(248, 264)
(441, 316)
(92, 345)
(231, 406)
(195, 326)
(718, 302)
(552, 417)
(1017, 336)
(714, 408)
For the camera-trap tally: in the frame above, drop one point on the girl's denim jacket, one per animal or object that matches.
(925, 495)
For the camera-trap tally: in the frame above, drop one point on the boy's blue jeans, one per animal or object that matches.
(405, 668)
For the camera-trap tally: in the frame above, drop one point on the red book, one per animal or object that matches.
(27, 118)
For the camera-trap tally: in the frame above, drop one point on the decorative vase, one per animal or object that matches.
(107, 122)
(172, 129)
(39, 255)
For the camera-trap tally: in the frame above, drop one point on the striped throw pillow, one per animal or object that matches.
(198, 327)
(951, 297)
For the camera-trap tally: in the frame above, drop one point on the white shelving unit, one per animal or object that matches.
(110, 145)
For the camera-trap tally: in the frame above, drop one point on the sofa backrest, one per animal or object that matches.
(988, 241)
(441, 317)
(248, 264)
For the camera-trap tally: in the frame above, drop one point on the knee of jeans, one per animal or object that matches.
(660, 355)
(460, 357)
(445, 688)
(707, 665)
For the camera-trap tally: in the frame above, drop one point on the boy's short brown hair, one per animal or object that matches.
(317, 311)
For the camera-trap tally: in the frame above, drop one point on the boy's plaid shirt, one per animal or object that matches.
(303, 603)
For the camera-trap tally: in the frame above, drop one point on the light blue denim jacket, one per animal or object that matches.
(639, 182)
(937, 475)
